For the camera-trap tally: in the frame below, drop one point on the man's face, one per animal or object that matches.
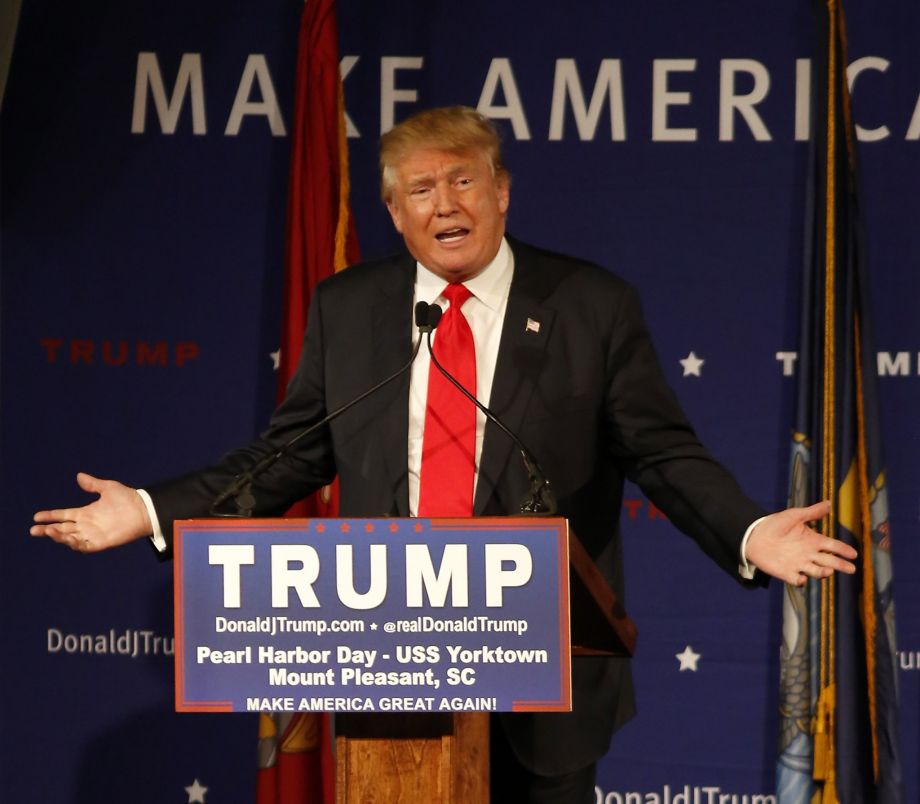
(450, 210)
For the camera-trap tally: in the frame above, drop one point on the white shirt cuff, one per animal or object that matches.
(745, 569)
(157, 536)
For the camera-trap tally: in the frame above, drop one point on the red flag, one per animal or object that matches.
(296, 765)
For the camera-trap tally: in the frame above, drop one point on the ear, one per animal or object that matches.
(503, 191)
(393, 209)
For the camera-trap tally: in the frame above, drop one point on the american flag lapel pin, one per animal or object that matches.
(532, 326)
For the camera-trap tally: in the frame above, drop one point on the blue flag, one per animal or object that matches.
(838, 700)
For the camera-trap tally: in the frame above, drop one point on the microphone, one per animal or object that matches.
(241, 487)
(540, 500)
(427, 316)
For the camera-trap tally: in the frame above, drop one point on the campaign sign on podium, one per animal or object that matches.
(372, 615)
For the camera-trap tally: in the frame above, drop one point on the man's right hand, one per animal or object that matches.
(119, 516)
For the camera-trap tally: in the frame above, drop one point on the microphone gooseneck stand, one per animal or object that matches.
(540, 499)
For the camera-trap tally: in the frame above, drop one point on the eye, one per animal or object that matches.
(419, 192)
(464, 181)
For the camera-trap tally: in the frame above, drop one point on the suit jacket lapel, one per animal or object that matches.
(525, 332)
(392, 318)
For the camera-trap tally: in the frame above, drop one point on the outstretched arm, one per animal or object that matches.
(119, 516)
(782, 545)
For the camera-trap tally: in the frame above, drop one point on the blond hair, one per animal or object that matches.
(457, 129)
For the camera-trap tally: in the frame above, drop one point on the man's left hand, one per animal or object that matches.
(784, 546)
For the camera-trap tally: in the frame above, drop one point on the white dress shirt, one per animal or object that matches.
(485, 312)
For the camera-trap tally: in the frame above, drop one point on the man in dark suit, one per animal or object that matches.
(561, 355)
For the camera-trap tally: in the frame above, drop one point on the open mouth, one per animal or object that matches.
(452, 235)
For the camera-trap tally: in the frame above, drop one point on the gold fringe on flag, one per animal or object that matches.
(824, 726)
(342, 222)
(865, 549)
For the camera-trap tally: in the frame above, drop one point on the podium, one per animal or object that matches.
(431, 757)
(444, 759)
(383, 755)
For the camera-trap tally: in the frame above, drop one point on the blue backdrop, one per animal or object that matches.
(144, 177)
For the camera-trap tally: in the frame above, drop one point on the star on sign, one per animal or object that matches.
(692, 365)
(196, 792)
(688, 659)
(276, 359)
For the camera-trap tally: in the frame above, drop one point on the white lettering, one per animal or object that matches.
(662, 98)
(913, 130)
(389, 94)
(500, 73)
(452, 575)
(188, 79)
(300, 579)
(853, 71)
(345, 66)
(802, 99)
(255, 71)
(893, 366)
(498, 578)
(345, 577)
(788, 360)
(232, 557)
(567, 84)
(729, 102)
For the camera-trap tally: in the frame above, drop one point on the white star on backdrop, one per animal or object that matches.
(276, 359)
(692, 365)
(196, 792)
(688, 659)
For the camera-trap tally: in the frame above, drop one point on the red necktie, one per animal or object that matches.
(449, 442)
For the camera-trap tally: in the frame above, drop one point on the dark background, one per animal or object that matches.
(154, 239)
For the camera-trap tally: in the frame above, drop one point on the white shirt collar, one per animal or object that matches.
(490, 285)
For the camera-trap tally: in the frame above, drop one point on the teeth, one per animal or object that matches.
(451, 234)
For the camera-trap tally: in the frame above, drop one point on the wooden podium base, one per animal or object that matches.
(409, 758)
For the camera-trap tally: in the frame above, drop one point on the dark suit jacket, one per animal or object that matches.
(585, 394)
